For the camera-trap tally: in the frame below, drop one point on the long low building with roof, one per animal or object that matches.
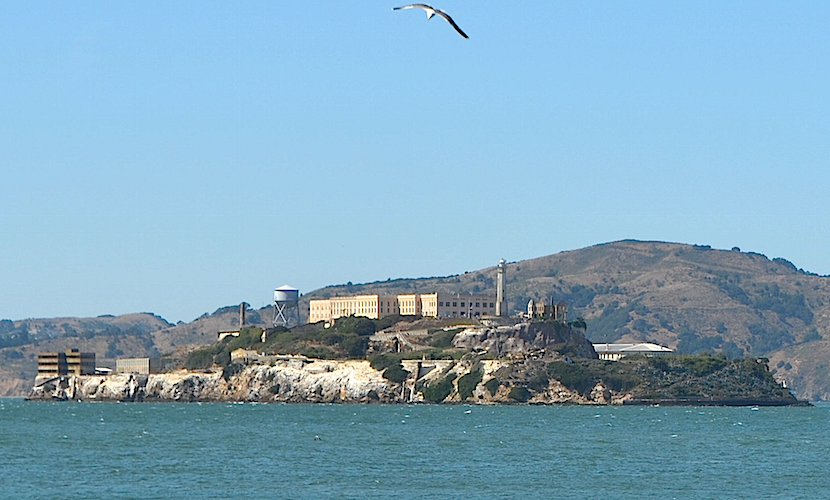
(613, 352)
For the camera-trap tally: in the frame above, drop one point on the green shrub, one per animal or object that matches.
(274, 389)
(443, 338)
(395, 373)
(519, 393)
(332, 338)
(200, 359)
(354, 345)
(467, 384)
(318, 352)
(355, 324)
(492, 386)
(572, 376)
(702, 365)
(382, 361)
(583, 375)
(438, 391)
(223, 358)
(660, 363)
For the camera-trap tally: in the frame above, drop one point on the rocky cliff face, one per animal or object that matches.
(320, 381)
(286, 381)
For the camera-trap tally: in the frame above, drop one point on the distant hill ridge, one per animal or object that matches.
(689, 297)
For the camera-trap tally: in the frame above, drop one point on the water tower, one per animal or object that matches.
(286, 306)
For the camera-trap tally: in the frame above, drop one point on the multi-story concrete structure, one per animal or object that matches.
(142, 366)
(437, 305)
(80, 363)
(464, 305)
(69, 362)
(51, 364)
(369, 305)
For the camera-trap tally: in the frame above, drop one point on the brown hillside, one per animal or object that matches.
(688, 297)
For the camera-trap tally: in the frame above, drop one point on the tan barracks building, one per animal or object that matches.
(377, 306)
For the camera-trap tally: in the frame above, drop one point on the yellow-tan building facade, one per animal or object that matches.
(377, 306)
(69, 362)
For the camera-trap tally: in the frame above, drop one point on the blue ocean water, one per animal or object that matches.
(205, 451)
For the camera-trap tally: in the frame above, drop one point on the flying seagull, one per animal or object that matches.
(431, 11)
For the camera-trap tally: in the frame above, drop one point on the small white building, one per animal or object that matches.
(613, 352)
(222, 335)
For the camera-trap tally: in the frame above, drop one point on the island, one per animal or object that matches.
(428, 360)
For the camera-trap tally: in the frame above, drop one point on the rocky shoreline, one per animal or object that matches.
(355, 381)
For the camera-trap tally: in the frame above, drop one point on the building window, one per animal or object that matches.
(477, 304)
(455, 304)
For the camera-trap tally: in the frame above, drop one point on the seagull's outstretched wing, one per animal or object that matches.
(449, 20)
(431, 11)
(416, 6)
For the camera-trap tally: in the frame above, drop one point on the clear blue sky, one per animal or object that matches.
(177, 157)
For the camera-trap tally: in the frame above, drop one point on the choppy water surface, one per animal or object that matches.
(203, 451)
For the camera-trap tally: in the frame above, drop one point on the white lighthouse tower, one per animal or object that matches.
(501, 305)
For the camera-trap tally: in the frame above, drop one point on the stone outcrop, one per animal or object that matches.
(527, 338)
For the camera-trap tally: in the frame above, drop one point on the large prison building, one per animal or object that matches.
(374, 306)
